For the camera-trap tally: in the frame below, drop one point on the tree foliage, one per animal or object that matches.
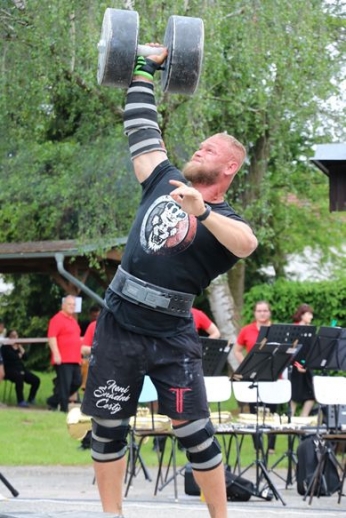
(328, 303)
(268, 70)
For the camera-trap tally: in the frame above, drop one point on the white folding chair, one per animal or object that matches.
(275, 392)
(219, 390)
(259, 392)
(145, 423)
(328, 390)
(279, 392)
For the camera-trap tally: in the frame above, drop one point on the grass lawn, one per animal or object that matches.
(36, 436)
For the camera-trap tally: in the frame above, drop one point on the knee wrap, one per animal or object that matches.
(202, 448)
(108, 439)
(140, 120)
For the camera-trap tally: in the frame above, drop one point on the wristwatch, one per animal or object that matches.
(205, 214)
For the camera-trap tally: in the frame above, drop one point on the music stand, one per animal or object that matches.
(328, 351)
(290, 333)
(214, 355)
(265, 362)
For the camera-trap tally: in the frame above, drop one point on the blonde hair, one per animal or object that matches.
(237, 149)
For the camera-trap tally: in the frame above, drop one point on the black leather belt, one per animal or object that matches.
(160, 299)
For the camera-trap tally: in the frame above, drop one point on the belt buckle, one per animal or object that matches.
(145, 295)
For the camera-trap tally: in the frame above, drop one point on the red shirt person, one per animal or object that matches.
(246, 339)
(248, 334)
(65, 345)
(203, 323)
(87, 342)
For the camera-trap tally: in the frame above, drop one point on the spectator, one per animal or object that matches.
(14, 356)
(2, 373)
(94, 312)
(87, 341)
(203, 323)
(65, 345)
(301, 378)
(246, 339)
(3, 330)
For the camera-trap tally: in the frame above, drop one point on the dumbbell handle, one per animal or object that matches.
(142, 50)
(146, 50)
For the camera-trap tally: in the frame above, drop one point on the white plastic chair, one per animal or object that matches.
(328, 390)
(142, 426)
(275, 392)
(219, 390)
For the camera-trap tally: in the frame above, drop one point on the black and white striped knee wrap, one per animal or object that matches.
(108, 439)
(140, 120)
(202, 449)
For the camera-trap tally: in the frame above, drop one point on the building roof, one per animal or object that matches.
(40, 256)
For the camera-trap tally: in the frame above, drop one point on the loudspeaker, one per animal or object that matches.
(331, 418)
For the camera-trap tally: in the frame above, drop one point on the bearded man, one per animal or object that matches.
(184, 235)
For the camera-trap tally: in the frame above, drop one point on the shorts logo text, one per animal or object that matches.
(111, 395)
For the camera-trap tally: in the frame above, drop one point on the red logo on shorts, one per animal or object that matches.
(179, 398)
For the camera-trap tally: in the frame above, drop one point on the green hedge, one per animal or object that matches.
(327, 298)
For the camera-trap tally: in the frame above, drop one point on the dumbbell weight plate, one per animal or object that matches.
(117, 47)
(184, 38)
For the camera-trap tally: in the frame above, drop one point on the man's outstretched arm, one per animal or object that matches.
(140, 118)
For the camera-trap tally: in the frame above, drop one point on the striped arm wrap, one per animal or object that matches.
(140, 120)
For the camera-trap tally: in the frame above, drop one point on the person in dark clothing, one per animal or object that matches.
(15, 371)
(184, 235)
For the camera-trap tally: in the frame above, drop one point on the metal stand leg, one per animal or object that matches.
(262, 473)
(8, 485)
(134, 457)
(292, 462)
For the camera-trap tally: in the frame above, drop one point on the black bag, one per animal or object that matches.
(309, 452)
(190, 486)
(238, 489)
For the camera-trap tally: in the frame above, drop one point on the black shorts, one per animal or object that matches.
(119, 361)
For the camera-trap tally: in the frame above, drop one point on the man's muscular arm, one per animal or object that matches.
(234, 235)
(140, 120)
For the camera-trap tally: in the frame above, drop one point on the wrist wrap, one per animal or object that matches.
(145, 67)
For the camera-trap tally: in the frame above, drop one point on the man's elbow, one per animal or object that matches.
(249, 246)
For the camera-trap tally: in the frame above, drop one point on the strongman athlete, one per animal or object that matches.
(183, 236)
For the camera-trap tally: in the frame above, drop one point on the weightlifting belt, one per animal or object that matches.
(160, 299)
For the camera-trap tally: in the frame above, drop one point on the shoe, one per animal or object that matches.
(271, 451)
(31, 402)
(23, 404)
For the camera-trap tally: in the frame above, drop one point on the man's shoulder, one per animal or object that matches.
(164, 169)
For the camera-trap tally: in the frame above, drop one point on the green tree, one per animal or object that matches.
(268, 69)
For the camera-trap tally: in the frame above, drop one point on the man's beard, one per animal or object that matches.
(195, 173)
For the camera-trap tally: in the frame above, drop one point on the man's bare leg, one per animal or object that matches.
(110, 477)
(213, 487)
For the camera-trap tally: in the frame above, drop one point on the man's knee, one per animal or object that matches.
(108, 439)
(202, 448)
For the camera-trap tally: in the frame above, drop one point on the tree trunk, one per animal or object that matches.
(223, 308)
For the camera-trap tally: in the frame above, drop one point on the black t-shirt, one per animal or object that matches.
(169, 248)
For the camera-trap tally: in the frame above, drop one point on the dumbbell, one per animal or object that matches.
(118, 50)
